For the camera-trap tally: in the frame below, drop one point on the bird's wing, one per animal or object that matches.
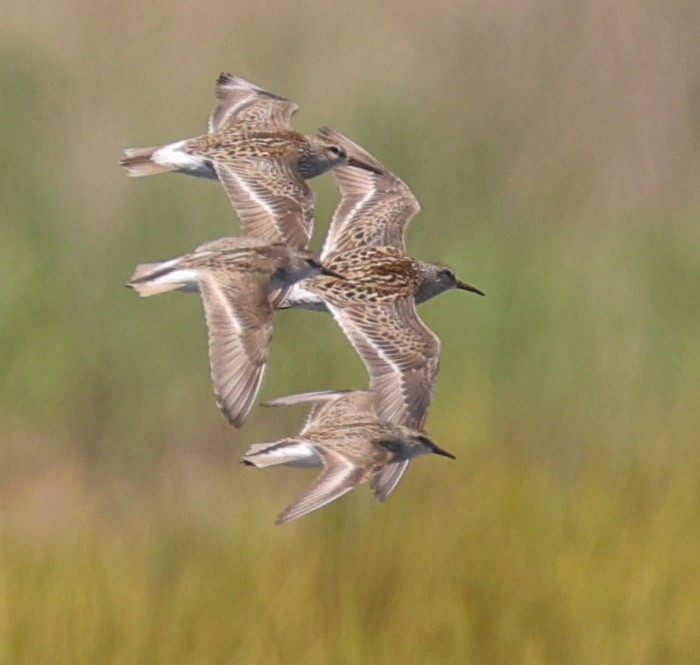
(270, 197)
(374, 209)
(401, 353)
(239, 320)
(242, 103)
(385, 480)
(338, 477)
(332, 407)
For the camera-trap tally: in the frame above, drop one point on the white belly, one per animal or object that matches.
(300, 298)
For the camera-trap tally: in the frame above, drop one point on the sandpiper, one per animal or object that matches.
(260, 160)
(345, 407)
(349, 452)
(238, 280)
(378, 315)
(375, 305)
(375, 302)
(375, 209)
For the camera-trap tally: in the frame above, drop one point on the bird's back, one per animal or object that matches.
(371, 275)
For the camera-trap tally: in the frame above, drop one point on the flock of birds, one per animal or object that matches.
(363, 277)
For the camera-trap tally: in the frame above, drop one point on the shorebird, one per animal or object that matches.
(238, 279)
(344, 436)
(375, 303)
(375, 209)
(260, 160)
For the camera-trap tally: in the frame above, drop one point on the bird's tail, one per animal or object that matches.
(292, 452)
(150, 279)
(138, 162)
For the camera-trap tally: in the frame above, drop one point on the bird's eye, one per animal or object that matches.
(447, 273)
(335, 150)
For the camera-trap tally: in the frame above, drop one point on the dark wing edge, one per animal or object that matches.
(242, 103)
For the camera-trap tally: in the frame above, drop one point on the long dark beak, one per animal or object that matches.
(330, 273)
(363, 165)
(440, 451)
(468, 287)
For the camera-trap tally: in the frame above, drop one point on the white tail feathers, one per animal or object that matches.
(256, 457)
(153, 289)
(150, 279)
(291, 452)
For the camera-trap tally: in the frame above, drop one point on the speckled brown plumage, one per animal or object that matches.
(236, 278)
(349, 452)
(260, 160)
(370, 275)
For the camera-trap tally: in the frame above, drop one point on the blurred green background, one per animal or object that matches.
(554, 148)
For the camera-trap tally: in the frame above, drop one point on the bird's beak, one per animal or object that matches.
(331, 273)
(440, 451)
(363, 165)
(468, 287)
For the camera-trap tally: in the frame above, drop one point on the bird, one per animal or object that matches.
(375, 209)
(375, 302)
(238, 279)
(261, 162)
(344, 436)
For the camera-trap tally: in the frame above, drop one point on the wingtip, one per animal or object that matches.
(283, 518)
(358, 156)
(325, 129)
(235, 414)
(235, 420)
(271, 402)
(330, 134)
(225, 77)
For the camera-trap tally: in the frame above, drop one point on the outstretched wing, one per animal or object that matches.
(402, 357)
(242, 103)
(401, 353)
(271, 199)
(375, 208)
(338, 477)
(239, 320)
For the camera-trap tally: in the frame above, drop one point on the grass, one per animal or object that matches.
(509, 564)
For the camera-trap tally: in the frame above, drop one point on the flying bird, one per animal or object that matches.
(238, 280)
(261, 162)
(375, 303)
(344, 436)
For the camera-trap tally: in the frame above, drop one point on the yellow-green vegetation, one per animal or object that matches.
(553, 146)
